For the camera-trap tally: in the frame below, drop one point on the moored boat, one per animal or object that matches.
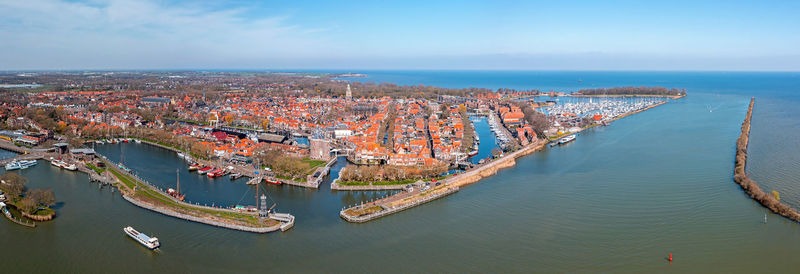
(273, 181)
(147, 241)
(204, 170)
(216, 173)
(194, 167)
(175, 194)
(22, 164)
(567, 139)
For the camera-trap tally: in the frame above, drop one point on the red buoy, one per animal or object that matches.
(670, 257)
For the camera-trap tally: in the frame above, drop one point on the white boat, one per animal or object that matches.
(567, 139)
(13, 165)
(147, 241)
(180, 154)
(137, 141)
(70, 167)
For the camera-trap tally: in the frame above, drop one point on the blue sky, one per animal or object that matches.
(516, 35)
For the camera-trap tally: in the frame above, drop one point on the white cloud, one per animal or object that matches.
(56, 34)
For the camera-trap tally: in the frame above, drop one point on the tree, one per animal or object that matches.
(776, 194)
(28, 205)
(14, 184)
(43, 197)
(265, 124)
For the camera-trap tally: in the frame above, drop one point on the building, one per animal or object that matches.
(271, 138)
(156, 101)
(320, 149)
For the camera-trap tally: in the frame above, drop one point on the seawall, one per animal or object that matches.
(200, 219)
(749, 186)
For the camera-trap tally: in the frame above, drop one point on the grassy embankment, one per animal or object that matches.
(385, 183)
(94, 168)
(145, 193)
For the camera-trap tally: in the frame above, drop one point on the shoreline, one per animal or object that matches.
(396, 203)
(748, 185)
(219, 217)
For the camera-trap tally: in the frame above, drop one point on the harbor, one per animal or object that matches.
(549, 200)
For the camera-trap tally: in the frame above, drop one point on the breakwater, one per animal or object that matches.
(203, 220)
(391, 210)
(748, 185)
(400, 202)
(168, 205)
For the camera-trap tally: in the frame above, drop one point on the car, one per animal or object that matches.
(437, 184)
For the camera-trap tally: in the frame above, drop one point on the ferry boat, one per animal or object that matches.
(273, 181)
(56, 162)
(204, 170)
(23, 164)
(62, 164)
(194, 167)
(567, 139)
(473, 153)
(147, 241)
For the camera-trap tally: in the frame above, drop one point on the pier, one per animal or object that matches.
(145, 195)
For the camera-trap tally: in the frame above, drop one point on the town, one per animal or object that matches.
(289, 128)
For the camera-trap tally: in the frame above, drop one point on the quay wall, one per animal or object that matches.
(748, 185)
(389, 211)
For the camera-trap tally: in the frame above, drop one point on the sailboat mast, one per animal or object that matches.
(178, 175)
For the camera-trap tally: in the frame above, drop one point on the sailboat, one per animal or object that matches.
(176, 193)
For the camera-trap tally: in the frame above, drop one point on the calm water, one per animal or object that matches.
(617, 199)
(487, 137)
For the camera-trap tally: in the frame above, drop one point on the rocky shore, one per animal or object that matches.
(749, 186)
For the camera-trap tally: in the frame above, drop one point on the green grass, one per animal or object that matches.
(378, 183)
(290, 178)
(313, 163)
(96, 169)
(166, 201)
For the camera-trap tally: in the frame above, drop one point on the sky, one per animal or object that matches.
(352, 35)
